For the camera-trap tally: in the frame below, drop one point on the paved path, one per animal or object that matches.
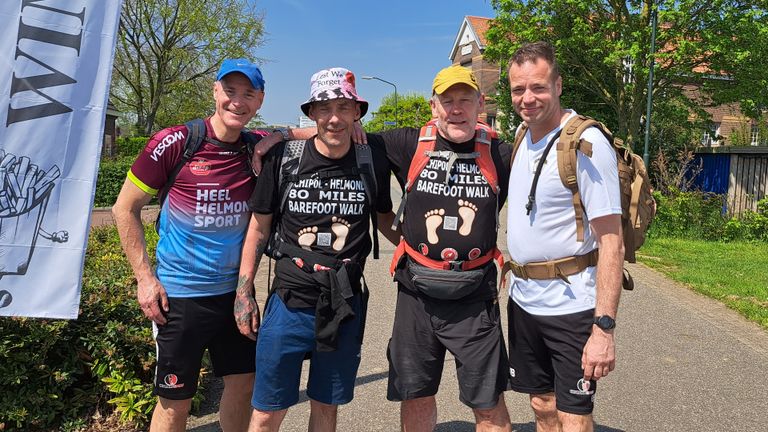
(685, 363)
(101, 216)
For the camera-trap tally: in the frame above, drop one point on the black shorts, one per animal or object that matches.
(425, 328)
(195, 324)
(545, 356)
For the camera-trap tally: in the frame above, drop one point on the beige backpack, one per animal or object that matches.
(637, 203)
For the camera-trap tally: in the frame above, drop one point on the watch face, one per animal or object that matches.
(605, 322)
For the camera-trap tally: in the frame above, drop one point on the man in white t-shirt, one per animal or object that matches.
(560, 327)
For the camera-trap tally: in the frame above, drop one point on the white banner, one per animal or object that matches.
(56, 58)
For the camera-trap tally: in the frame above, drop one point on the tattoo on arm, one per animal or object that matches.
(261, 246)
(243, 285)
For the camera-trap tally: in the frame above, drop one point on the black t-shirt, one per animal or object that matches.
(453, 220)
(329, 216)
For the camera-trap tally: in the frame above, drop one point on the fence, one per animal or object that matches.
(740, 172)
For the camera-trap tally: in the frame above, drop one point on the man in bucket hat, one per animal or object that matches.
(319, 218)
(189, 297)
(444, 265)
(450, 220)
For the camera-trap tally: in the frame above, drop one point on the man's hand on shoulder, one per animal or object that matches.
(358, 133)
(262, 147)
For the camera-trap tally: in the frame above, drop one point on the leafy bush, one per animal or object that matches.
(694, 215)
(58, 372)
(752, 226)
(112, 171)
(130, 147)
(112, 174)
(701, 216)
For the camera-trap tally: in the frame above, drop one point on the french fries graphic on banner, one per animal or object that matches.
(22, 184)
(57, 65)
(24, 193)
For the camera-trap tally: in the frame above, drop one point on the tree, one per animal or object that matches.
(603, 50)
(412, 111)
(168, 51)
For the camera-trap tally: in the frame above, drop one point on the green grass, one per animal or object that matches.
(734, 273)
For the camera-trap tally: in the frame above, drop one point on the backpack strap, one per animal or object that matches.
(424, 149)
(522, 129)
(364, 158)
(195, 136)
(289, 167)
(570, 141)
(287, 175)
(483, 137)
(250, 144)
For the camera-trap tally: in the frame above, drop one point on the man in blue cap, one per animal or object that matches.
(190, 296)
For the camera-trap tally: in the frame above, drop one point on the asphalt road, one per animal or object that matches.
(684, 363)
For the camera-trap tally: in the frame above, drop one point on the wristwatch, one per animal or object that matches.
(285, 132)
(604, 322)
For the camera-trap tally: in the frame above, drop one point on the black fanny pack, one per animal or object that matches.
(445, 284)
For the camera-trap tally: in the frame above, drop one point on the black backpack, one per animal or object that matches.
(289, 168)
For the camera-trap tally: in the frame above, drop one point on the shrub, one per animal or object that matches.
(752, 226)
(112, 171)
(58, 372)
(130, 147)
(695, 215)
(701, 216)
(112, 174)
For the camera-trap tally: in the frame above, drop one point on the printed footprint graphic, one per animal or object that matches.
(340, 227)
(433, 220)
(467, 211)
(307, 237)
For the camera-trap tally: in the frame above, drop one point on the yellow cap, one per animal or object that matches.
(453, 75)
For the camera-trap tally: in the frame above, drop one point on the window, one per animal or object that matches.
(629, 70)
(755, 139)
(492, 122)
(710, 136)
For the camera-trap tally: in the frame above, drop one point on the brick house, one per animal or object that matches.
(728, 125)
(470, 42)
(108, 148)
(467, 51)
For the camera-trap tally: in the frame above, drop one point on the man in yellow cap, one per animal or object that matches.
(455, 173)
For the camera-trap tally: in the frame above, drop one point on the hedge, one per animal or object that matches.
(57, 373)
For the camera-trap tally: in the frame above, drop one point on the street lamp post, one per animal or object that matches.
(392, 84)
(652, 58)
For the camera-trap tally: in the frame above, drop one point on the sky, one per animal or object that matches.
(404, 42)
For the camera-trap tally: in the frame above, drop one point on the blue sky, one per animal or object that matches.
(404, 42)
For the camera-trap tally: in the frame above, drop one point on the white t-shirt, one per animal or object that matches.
(549, 232)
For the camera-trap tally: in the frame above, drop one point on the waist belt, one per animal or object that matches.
(555, 269)
(404, 248)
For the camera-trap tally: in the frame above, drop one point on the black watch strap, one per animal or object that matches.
(605, 322)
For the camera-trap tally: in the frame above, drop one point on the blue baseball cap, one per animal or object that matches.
(245, 67)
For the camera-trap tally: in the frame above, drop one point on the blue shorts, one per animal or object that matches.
(285, 337)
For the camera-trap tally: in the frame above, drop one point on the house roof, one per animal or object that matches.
(472, 29)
